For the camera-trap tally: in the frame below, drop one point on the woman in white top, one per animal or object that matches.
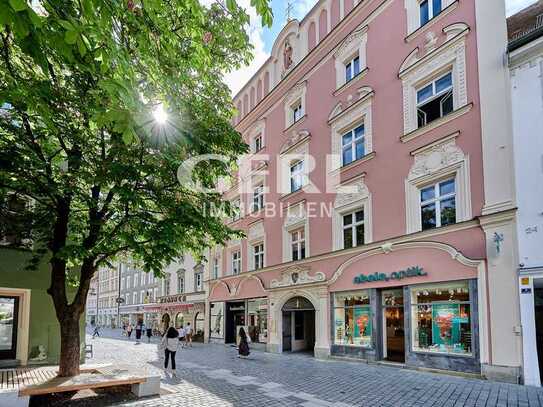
(170, 343)
(182, 336)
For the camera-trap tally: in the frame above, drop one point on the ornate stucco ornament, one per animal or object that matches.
(297, 275)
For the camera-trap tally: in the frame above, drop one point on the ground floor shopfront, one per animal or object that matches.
(174, 310)
(531, 308)
(423, 304)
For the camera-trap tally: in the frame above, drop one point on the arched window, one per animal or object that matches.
(323, 25)
(311, 36)
(334, 13)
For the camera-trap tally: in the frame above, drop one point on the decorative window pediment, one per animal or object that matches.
(295, 218)
(256, 232)
(294, 139)
(345, 119)
(352, 47)
(436, 162)
(295, 100)
(419, 69)
(257, 130)
(351, 197)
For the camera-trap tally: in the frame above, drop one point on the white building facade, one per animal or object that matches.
(526, 69)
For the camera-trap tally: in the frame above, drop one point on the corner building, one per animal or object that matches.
(378, 199)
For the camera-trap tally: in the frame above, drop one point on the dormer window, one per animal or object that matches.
(352, 68)
(297, 112)
(429, 9)
(435, 100)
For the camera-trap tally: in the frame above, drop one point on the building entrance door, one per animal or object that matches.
(538, 302)
(393, 326)
(9, 312)
(298, 325)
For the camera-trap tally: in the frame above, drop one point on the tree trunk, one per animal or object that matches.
(69, 346)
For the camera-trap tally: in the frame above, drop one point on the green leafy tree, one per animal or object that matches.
(79, 82)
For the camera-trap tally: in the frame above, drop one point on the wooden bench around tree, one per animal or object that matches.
(20, 384)
(82, 382)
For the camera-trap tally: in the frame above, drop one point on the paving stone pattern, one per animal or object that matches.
(212, 375)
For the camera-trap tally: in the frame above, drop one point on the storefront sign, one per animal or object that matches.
(172, 298)
(414, 271)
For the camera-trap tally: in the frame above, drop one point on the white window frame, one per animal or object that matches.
(298, 243)
(258, 143)
(351, 198)
(215, 268)
(353, 46)
(235, 262)
(297, 111)
(352, 227)
(344, 120)
(181, 282)
(236, 203)
(136, 279)
(199, 281)
(452, 163)
(353, 143)
(258, 255)
(258, 197)
(413, 13)
(350, 68)
(298, 175)
(437, 199)
(450, 56)
(296, 218)
(435, 95)
(135, 297)
(431, 11)
(295, 98)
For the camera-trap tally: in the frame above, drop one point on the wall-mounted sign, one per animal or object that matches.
(410, 272)
(172, 298)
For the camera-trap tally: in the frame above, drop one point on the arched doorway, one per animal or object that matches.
(179, 320)
(298, 325)
(199, 327)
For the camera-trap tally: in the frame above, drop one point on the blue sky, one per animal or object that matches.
(263, 38)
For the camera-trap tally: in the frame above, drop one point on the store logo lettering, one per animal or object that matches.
(414, 271)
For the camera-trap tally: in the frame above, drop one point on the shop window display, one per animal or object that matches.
(216, 320)
(257, 323)
(353, 319)
(441, 316)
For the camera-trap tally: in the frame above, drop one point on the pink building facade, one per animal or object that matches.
(379, 220)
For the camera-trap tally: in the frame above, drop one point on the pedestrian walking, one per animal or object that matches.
(182, 335)
(129, 330)
(96, 331)
(149, 332)
(243, 347)
(170, 343)
(188, 335)
(139, 328)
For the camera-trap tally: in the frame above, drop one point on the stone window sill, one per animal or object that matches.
(436, 123)
(353, 81)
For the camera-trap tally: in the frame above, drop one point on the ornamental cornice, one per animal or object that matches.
(297, 275)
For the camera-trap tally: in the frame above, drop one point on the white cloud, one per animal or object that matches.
(514, 6)
(237, 79)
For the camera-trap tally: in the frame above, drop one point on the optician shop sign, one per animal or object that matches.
(410, 272)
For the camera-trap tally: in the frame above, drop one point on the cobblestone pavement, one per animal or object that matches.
(212, 375)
